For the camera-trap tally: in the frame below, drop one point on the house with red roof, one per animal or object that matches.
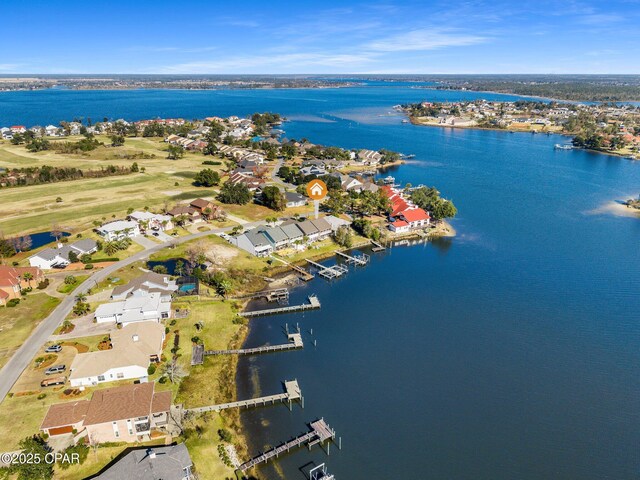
(405, 215)
(12, 281)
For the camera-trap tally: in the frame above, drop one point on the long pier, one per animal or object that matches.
(279, 295)
(360, 260)
(306, 276)
(292, 392)
(320, 432)
(313, 304)
(329, 272)
(295, 342)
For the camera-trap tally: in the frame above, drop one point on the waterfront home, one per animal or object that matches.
(336, 222)
(293, 233)
(119, 230)
(59, 257)
(18, 129)
(134, 348)
(254, 242)
(120, 414)
(276, 236)
(13, 281)
(369, 157)
(294, 199)
(137, 308)
(171, 462)
(146, 284)
(153, 221)
(415, 217)
(315, 229)
(187, 212)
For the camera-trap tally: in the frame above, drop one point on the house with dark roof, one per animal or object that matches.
(171, 462)
(294, 199)
(120, 414)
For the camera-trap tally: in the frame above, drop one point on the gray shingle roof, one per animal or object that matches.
(169, 464)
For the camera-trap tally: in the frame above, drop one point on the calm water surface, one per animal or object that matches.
(509, 352)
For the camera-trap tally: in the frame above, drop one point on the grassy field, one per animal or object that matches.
(70, 287)
(164, 183)
(17, 323)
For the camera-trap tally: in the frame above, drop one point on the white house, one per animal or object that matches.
(134, 309)
(119, 230)
(59, 257)
(254, 242)
(134, 347)
(152, 221)
(146, 284)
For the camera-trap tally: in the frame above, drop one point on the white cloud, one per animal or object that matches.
(424, 39)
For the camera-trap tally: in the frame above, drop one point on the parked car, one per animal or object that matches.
(53, 348)
(156, 234)
(56, 369)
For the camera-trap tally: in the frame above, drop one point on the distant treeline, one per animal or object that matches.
(572, 91)
(47, 174)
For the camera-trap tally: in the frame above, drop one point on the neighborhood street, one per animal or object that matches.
(21, 358)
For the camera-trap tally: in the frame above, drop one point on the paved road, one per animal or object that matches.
(21, 358)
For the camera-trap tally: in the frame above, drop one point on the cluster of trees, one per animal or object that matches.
(175, 152)
(273, 198)
(206, 178)
(428, 198)
(262, 121)
(328, 153)
(49, 174)
(365, 228)
(10, 246)
(364, 203)
(343, 237)
(234, 193)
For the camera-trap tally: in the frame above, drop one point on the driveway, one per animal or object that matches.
(24, 355)
(85, 327)
(144, 241)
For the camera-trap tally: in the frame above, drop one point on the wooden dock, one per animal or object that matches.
(320, 432)
(359, 260)
(306, 276)
(377, 247)
(329, 272)
(295, 342)
(313, 304)
(292, 392)
(280, 295)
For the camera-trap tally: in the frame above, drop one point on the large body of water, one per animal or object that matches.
(511, 351)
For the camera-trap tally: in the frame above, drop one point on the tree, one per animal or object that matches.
(273, 198)
(117, 140)
(81, 308)
(207, 178)
(443, 209)
(175, 152)
(110, 247)
(343, 237)
(34, 447)
(28, 277)
(234, 193)
(6, 248)
(134, 167)
(173, 371)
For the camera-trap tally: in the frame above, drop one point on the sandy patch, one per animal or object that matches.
(171, 193)
(220, 255)
(615, 208)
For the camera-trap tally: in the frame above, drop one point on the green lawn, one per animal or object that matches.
(17, 323)
(68, 288)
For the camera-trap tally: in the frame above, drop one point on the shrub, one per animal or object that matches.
(59, 200)
(41, 396)
(43, 284)
(13, 302)
(225, 435)
(152, 369)
(166, 330)
(211, 162)
(88, 266)
(163, 380)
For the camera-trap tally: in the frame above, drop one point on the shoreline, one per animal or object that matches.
(616, 209)
(280, 278)
(510, 130)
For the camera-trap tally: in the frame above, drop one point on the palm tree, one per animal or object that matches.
(223, 288)
(28, 277)
(110, 248)
(81, 297)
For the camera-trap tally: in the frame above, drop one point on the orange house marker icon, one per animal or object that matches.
(316, 189)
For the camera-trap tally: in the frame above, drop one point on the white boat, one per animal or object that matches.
(389, 180)
(557, 146)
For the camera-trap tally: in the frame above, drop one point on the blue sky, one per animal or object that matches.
(321, 37)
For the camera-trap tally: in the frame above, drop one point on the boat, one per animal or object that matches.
(405, 121)
(389, 180)
(558, 146)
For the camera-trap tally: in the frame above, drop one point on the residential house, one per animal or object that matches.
(18, 129)
(254, 242)
(276, 236)
(134, 347)
(369, 157)
(168, 462)
(207, 208)
(191, 214)
(59, 257)
(336, 222)
(152, 221)
(119, 230)
(146, 284)
(120, 414)
(294, 199)
(312, 170)
(12, 281)
(137, 308)
(293, 233)
(251, 182)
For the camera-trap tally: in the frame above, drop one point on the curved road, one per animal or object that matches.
(23, 356)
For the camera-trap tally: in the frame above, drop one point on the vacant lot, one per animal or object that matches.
(17, 323)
